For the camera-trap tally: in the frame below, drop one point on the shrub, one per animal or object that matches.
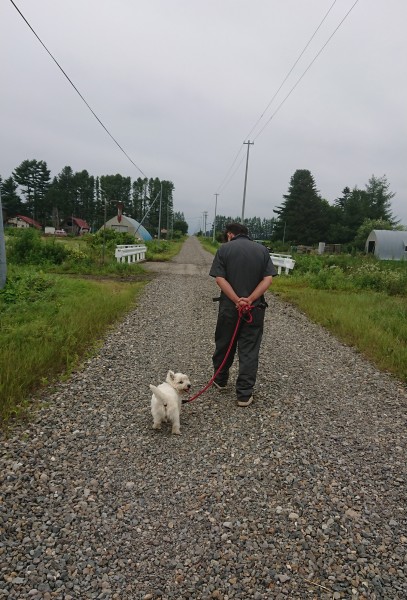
(27, 248)
(158, 246)
(346, 272)
(110, 238)
(25, 287)
(380, 278)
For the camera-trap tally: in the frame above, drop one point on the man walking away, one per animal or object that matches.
(244, 271)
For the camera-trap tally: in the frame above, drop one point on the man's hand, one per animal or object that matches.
(242, 303)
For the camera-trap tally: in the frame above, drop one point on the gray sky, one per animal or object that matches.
(181, 83)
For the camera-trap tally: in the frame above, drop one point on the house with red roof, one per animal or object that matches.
(21, 221)
(75, 226)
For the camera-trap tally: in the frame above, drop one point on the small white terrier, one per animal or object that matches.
(166, 400)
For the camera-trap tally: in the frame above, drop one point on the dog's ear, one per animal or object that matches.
(171, 375)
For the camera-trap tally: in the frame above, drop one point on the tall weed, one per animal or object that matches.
(346, 272)
(44, 334)
(372, 322)
(27, 248)
(163, 250)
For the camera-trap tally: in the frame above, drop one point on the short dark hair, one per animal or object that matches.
(236, 229)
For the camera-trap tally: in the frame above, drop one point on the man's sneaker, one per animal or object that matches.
(221, 388)
(245, 401)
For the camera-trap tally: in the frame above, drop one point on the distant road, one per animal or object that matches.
(193, 259)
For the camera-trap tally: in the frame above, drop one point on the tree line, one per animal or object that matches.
(260, 229)
(31, 192)
(304, 217)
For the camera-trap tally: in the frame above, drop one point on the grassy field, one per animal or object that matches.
(48, 325)
(60, 298)
(362, 301)
(372, 322)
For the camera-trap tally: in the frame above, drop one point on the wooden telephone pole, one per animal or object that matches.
(249, 143)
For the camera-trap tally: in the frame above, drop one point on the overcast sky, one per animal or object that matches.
(181, 83)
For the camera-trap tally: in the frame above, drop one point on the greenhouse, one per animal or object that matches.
(387, 245)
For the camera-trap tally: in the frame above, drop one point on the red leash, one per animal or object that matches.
(245, 310)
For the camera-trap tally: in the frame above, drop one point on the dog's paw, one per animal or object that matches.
(157, 426)
(176, 431)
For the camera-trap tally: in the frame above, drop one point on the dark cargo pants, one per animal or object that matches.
(247, 342)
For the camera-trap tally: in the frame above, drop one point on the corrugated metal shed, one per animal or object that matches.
(129, 225)
(387, 245)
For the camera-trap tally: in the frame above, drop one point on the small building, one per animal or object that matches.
(75, 226)
(128, 225)
(21, 221)
(387, 245)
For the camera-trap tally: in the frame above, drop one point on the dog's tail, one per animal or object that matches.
(157, 392)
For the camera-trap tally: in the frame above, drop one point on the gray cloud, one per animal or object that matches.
(180, 84)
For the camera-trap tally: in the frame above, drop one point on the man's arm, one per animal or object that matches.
(227, 289)
(259, 290)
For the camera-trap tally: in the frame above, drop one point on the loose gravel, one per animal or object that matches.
(301, 495)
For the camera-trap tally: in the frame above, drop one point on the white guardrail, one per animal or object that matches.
(283, 261)
(130, 253)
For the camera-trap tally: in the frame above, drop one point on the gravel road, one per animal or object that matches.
(301, 495)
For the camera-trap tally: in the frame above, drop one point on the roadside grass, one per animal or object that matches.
(208, 244)
(48, 325)
(60, 298)
(85, 255)
(163, 250)
(373, 323)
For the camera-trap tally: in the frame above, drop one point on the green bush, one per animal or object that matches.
(331, 278)
(27, 248)
(347, 272)
(158, 246)
(25, 287)
(380, 279)
(110, 238)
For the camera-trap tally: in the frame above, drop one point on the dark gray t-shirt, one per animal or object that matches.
(243, 263)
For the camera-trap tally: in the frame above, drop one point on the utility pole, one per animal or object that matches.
(205, 214)
(168, 220)
(249, 143)
(104, 233)
(3, 260)
(214, 220)
(159, 213)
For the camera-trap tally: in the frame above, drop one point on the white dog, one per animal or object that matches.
(166, 400)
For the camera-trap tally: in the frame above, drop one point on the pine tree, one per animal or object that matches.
(380, 197)
(34, 178)
(115, 189)
(11, 201)
(138, 198)
(304, 217)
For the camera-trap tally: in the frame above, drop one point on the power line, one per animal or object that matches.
(291, 70)
(230, 168)
(77, 91)
(269, 104)
(224, 184)
(306, 71)
(232, 174)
